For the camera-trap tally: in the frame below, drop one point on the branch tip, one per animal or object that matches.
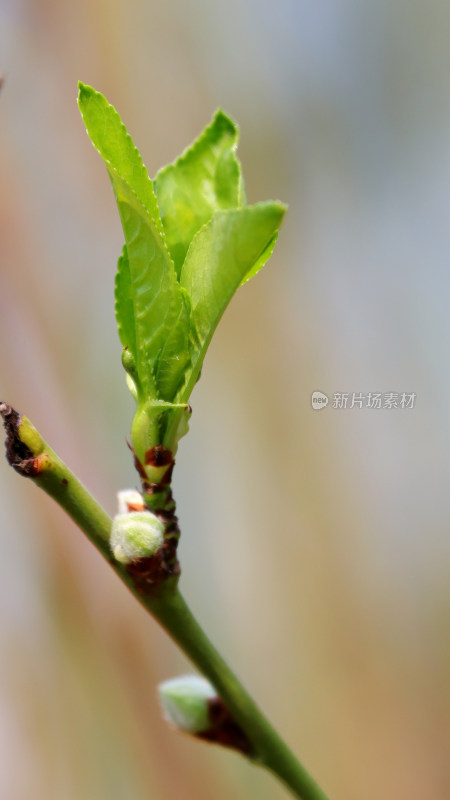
(18, 454)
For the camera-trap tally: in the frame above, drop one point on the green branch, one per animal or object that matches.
(269, 748)
(31, 457)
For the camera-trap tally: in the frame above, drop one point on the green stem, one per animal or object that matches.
(29, 454)
(175, 616)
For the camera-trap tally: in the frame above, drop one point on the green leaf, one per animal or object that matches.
(154, 301)
(206, 178)
(160, 312)
(222, 254)
(263, 259)
(124, 304)
(111, 139)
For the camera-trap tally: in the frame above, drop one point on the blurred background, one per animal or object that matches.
(315, 546)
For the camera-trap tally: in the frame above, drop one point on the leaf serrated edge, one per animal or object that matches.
(86, 88)
(190, 150)
(121, 259)
(148, 214)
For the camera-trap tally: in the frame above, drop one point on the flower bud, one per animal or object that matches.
(138, 534)
(185, 702)
(129, 500)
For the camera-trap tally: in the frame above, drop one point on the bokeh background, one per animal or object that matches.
(315, 547)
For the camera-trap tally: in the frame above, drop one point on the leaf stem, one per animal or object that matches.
(30, 455)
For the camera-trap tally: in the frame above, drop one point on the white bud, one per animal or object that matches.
(134, 535)
(185, 702)
(129, 500)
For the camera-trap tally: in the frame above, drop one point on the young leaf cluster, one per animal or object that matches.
(190, 242)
